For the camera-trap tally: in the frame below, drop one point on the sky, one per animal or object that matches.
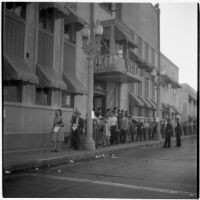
(178, 36)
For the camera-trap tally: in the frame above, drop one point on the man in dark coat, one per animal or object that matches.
(178, 132)
(77, 130)
(168, 134)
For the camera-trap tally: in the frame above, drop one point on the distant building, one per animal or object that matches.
(170, 86)
(187, 100)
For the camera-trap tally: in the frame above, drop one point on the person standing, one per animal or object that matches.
(123, 128)
(113, 128)
(57, 133)
(168, 134)
(154, 129)
(77, 130)
(178, 132)
(146, 128)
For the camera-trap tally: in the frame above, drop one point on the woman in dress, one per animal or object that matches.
(57, 132)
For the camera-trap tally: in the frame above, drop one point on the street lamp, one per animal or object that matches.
(158, 79)
(91, 38)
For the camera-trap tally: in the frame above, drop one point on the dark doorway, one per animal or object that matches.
(99, 102)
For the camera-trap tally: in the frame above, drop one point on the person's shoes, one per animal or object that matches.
(58, 150)
(164, 147)
(168, 146)
(54, 150)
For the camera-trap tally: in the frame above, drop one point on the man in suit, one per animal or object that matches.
(178, 132)
(168, 134)
(77, 130)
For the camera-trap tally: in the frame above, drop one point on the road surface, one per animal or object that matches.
(143, 172)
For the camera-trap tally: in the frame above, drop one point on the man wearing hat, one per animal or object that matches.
(168, 134)
(178, 132)
(77, 129)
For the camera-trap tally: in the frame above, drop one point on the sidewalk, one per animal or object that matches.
(15, 161)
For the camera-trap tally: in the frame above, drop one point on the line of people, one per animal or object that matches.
(115, 127)
(118, 127)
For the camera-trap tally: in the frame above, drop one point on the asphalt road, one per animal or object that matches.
(151, 172)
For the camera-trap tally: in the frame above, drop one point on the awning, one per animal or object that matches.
(49, 79)
(122, 32)
(150, 102)
(73, 84)
(73, 17)
(59, 7)
(175, 110)
(153, 102)
(135, 101)
(145, 102)
(16, 68)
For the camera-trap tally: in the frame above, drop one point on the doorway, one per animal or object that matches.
(99, 102)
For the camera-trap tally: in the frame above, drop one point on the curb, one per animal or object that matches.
(51, 162)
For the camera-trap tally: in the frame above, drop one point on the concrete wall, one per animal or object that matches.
(142, 19)
(23, 122)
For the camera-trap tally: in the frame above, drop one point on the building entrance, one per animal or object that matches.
(99, 102)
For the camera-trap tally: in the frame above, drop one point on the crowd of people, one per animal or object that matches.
(116, 127)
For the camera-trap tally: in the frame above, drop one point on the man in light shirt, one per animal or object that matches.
(123, 128)
(113, 128)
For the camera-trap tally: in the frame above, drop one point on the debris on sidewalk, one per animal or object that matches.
(113, 156)
(144, 147)
(36, 169)
(98, 156)
(59, 170)
(7, 172)
(71, 161)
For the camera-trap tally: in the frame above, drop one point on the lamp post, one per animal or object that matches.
(91, 38)
(158, 80)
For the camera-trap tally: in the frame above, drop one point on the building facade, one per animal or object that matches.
(45, 67)
(170, 86)
(187, 99)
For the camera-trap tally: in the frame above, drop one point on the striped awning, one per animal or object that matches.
(16, 68)
(151, 103)
(146, 103)
(73, 84)
(134, 100)
(48, 78)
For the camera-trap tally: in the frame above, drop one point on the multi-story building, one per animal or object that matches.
(187, 101)
(45, 67)
(170, 85)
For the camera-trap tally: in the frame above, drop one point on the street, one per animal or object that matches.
(143, 172)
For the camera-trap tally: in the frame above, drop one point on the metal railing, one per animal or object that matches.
(106, 61)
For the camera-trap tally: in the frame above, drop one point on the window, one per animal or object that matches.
(70, 32)
(67, 100)
(18, 9)
(147, 88)
(140, 89)
(46, 19)
(43, 96)
(107, 6)
(12, 92)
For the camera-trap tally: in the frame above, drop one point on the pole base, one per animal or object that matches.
(89, 144)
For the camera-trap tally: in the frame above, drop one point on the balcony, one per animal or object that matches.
(114, 68)
(142, 63)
